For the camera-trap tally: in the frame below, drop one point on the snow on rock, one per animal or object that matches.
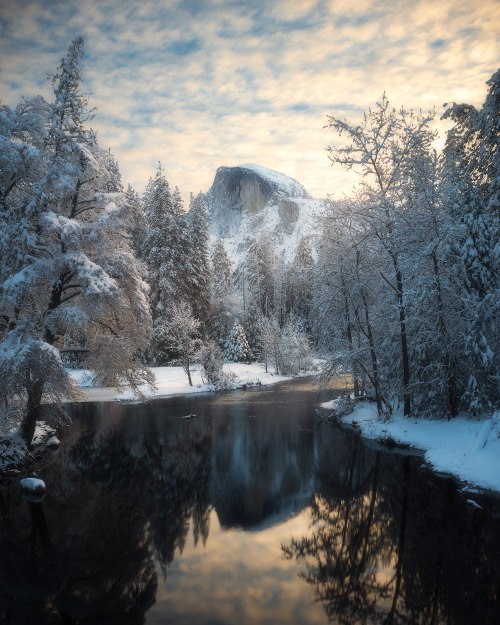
(53, 443)
(33, 485)
(33, 489)
(249, 200)
(43, 431)
(282, 183)
(468, 449)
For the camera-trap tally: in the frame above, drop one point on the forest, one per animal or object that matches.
(398, 286)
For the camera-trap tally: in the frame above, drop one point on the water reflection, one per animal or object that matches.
(152, 518)
(393, 544)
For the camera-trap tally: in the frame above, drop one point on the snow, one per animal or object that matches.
(268, 220)
(53, 442)
(286, 185)
(43, 431)
(33, 484)
(173, 380)
(12, 450)
(82, 377)
(466, 448)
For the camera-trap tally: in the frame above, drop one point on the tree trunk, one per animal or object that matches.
(452, 404)
(35, 393)
(35, 389)
(355, 376)
(403, 336)
(188, 371)
(373, 355)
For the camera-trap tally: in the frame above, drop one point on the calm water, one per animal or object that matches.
(252, 512)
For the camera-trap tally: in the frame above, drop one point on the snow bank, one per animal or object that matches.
(82, 377)
(466, 448)
(174, 381)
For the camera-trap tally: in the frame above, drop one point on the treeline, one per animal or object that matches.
(259, 311)
(407, 296)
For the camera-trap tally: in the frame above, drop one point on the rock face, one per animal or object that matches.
(246, 191)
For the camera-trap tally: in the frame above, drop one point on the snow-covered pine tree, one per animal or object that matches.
(222, 271)
(137, 226)
(163, 245)
(237, 348)
(301, 279)
(185, 277)
(74, 287)
(223, 305)
(199, 257)
(472, 169)
(23, 135)
(257, 285)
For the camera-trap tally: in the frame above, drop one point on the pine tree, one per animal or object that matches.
(137, 226)
(199, 256)
(302, 281)
(224, 305)
(237, 348)
(258, 285)
(472, 169)
(160, 246)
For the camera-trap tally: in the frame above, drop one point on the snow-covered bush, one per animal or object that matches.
(287, 349)
(211, 362)
(295, 349)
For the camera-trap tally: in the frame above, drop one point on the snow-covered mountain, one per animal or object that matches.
(248, 200)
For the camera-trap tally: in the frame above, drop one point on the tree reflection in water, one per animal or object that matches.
(390, 545)
(89, 551)
(92, 558)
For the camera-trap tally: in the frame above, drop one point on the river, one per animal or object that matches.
(253, 511)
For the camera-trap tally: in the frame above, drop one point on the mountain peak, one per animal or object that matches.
(249, 200)
(284, 185)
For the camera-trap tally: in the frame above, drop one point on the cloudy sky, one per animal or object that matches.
(201, 83)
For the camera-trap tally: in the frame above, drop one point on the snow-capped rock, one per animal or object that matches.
(53, 443)
(33, 489)
(248, 200)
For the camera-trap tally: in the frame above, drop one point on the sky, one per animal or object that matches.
(197, 84)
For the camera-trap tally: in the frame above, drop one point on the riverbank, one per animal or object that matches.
(173, 381)
(466, 448)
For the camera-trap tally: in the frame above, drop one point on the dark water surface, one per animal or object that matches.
(252, 512)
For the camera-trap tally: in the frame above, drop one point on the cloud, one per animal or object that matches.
(202, 84)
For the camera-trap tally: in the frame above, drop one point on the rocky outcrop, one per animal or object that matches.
(245, 191)
(288, 212)
(250, 201)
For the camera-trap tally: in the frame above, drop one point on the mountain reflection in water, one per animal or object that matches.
(253, 512)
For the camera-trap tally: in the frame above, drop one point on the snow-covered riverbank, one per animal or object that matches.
(466, 448)
(174, 381)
